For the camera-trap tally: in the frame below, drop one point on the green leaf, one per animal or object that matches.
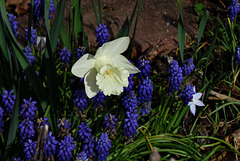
(124, 31)
(95, 11)
(78, 21)
(181, 33)
(135, 27)
(100, 11)
(200, 30)
(14, 120)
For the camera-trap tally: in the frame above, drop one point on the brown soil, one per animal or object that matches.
(156, 34)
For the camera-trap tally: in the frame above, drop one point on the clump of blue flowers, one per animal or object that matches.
(50, 146)
(81, 156)
(13, 24)
(102, 34)
(129, 101)
(28, 53)
(26, 129)
(188, 67)
(29, 148)
(28, 109)
(130, 84)
(175, 76)
(80, 100)
(233, 9)
(130, 124)
(65, 148)
(33, 39)
(187, 94)
(88, 145)
(144, 67)
(80, 52)
(103, 146)
(39, 8)
(64, 126)
(65, 56)
(98, 100)
(110, 123)
(8, 100)
(145, 90)
(84, 131)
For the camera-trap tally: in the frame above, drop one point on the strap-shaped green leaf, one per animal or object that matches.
(181, 32)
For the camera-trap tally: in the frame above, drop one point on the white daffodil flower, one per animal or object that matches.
(107, 71)
(195, 101)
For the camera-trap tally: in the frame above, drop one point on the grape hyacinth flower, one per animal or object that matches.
(188, 67)
(81, 156)
(65, 56)
(84, 131)
(144, 67)
(28, 149)
(146, 106)
(175, 76)
(107, 71)
(237, 55)
(110, 123)
(43, 122)
(102, 34)
(28, 109)
(13, 24)
(28, 53)
(33, 39)
(80, 52)
(130, 84)
(145, 91)
(39, 8)
(129, 101)
(88, 145)
(8, 100)
(64, 126)
(195, 101)
(50, 146)
(98, 100)
(65, 148)
(187, 94)
(233, 9)
(1, 119)
(103, 146)
(80, 100)
(130, 124)
(26, 129)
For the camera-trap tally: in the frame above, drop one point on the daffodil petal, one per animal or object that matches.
(193, 109)
(83, 65)
(113, 48)
(123, 62)
(91, 87)
(197, 96)
(198, 103)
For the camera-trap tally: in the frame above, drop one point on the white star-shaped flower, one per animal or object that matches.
(107, 71)
(195, 101)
